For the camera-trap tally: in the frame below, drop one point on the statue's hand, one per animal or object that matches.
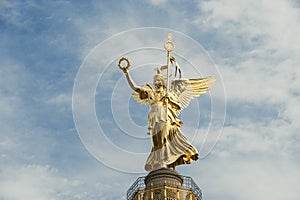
(124, 68)
(143, 94)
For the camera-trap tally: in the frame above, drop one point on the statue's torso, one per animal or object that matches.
(157, 111)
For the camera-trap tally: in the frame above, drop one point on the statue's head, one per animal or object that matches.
(159, 80)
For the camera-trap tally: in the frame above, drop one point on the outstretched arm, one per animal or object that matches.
(141, 94)
(131, 83)
(125, 70)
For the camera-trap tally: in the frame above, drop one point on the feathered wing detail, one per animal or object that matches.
(141, 96)
(187, 89)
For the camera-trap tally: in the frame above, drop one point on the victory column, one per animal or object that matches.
(170, 147)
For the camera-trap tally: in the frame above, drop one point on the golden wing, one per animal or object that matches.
(141, 96)
(187, 89)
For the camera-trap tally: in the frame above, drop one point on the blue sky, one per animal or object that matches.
(255, 49)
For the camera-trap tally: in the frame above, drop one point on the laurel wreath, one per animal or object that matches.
(124, 68)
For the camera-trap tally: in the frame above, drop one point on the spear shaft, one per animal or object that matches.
(167, 86)
(169, 46)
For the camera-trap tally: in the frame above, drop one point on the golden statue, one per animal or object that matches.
(169, 146)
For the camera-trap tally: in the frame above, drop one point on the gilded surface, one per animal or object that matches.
(169, 146)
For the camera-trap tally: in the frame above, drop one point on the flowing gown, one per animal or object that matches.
(169, 146)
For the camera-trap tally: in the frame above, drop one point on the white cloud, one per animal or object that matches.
(35, 182)
(265, 72)
(157, 2)
(262, 71)
(277, 23)
(242, 178)
(61, 99)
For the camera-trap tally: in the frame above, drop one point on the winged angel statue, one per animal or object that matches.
(170, 147)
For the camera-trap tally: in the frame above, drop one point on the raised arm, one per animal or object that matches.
(131, 83)
(125, 70)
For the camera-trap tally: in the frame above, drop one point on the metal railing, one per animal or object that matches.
(138, 185)
(188, 185)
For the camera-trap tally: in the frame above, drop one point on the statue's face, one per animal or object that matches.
(158, 83)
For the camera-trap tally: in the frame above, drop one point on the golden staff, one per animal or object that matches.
(169, 46)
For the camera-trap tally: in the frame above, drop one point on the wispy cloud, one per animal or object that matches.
(254, 44)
